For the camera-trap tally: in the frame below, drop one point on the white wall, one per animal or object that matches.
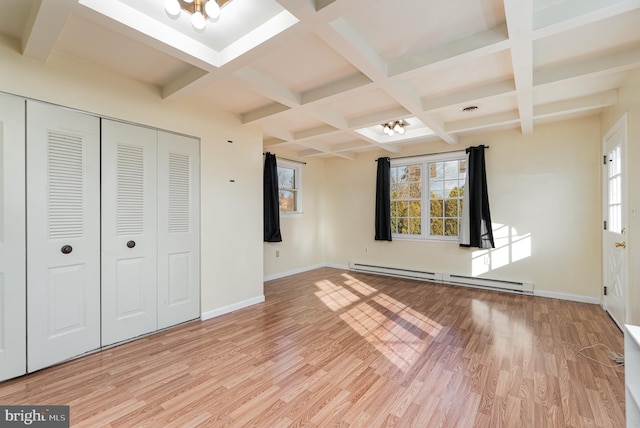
(544, 194)
(303, 243)
(231, 215)
(629, 102)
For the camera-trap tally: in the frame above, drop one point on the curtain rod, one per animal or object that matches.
(290, 160)
(428, 154)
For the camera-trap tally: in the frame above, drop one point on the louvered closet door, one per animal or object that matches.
(178, 229)
(13, 327)
(63, 238)
(129, 284)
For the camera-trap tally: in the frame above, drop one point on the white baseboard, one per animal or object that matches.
(337, 266)
(293, 272)
(230, 308)
(539, 293)
(565, 296)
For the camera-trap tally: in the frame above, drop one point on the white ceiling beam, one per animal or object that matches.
(192, 79)
(262, 112)
(277, 132)
(267, 87)
(339, 87)
(570, 14)
(484, 122)
(319, 131)
(576, 105)
(45, 23)
(457, 52)
(519, 23)
(473, 95)
(603, 65)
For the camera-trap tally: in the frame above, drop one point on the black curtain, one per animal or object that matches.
(476, 223)
(271, 205)
(383, 200)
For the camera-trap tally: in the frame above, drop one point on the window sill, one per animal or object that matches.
(455, 240)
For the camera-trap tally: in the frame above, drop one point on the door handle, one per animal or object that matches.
(131, 244)
(621, 244)
(66, 249)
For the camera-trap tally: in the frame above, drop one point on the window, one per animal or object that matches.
(426, 196)
(290, 187)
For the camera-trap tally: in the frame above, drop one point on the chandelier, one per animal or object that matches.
(200, 10)
(390, 128)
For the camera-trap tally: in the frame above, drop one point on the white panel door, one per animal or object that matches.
(13, 326)
(614, 241)
(129, 284)
(178, 229)
(63, 234)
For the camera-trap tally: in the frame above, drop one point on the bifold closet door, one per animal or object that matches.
(129, 283)
(178, 229)
(63, 234)
(13, 326)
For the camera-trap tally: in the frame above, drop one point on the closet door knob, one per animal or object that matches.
(66, 249)
(131, 244)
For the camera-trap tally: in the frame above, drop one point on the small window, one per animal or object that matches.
(290, 187)
(426, 196)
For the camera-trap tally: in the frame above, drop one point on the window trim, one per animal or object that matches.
(297, 168)
(424, 160)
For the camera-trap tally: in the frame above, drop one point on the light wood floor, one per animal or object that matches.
(335, 348)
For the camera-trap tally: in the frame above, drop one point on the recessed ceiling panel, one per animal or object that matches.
(304, 64)
(92, 42)
(394, 28)
(14, 17)
(232, 97)
(293, 121)
(362, 104)
(478, 71)
(237, 18)
(243, 25)
(596, 39)
(571, 89)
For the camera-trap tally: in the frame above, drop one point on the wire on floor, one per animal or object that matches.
(618, 359)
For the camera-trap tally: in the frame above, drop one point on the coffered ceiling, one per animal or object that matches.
(320, 77)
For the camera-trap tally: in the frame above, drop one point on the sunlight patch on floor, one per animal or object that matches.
(396, 330)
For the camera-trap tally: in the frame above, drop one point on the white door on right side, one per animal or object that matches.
(129, 243)
(614, 239)
(178, 229)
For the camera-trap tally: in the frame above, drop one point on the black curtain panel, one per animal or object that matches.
(271, 205)
(476, 222)
(383, 200)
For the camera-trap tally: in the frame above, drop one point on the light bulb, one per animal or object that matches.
(213, 10)
(172, 7)
(188, 1)
(391, 132)
(397, 127)
(386, 129)
(401, 130)
(197, 20)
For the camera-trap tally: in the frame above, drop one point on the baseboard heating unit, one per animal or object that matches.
(445, 278)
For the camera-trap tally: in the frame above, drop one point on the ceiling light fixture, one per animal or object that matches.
(391, 128)
(200, 10)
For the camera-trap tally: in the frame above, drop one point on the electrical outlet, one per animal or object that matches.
(487, 260)
(277, 253)
(366, 250)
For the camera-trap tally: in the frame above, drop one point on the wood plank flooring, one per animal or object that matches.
(335, 348)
